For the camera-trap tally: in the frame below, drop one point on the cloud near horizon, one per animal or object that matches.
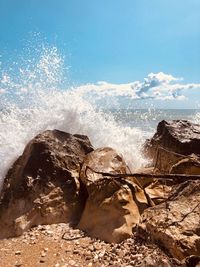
(157, 86)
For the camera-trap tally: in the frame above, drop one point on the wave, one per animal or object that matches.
(33, 99)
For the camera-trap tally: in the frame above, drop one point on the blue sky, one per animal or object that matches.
(115, 41)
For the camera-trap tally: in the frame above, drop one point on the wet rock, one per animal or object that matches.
(114, 206)
(175, 224)
(43, 187)
(173, 139)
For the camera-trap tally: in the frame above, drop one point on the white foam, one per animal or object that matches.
(35, 103)
(196, 118)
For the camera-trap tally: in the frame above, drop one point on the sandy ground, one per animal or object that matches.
(62, 246)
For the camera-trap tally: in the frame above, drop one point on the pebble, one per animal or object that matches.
(74, 253)
(43, 254)
(72, 263)
(91, 248)
(97, 246)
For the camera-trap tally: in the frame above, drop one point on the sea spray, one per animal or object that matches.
(32, 101)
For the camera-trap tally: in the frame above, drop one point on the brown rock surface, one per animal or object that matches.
(114, 206)
(172, 141)
(190, 165)
(179, 136)
(101, 160)
(175, 224)
(43, 187)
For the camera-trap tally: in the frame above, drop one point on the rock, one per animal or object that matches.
(157, 192)
(72, 262)
(114, 206)
(192, 261)
(149, 261)
(190, 165)
(43, 186)
(43, 254)
(172, 140)
(175, 224)
(101, 160)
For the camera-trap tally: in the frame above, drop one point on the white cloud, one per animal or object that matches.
(159, 86)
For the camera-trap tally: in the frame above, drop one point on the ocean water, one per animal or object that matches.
(33, 99)
(148, 119)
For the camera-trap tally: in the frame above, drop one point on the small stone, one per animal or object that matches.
(84, 245)
(49, 232)
(136, 256)
(91, 247)
(42, 260)
(57, 265)
(72, 263)
(149, 261)
(97, 246)
(43, 254)
(18, 252)
(102, 253)
(88, 257)
(95, 259)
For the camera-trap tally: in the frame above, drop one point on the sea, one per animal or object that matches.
(33, 99)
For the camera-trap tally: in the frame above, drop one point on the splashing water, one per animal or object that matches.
(32, 102)
(197, 118)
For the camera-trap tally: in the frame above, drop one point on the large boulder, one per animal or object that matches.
(114, 205)
(175, 224)
(173, 141)
(43, 186)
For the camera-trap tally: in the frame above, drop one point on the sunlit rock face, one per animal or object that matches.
(114, 206)
(172, 141)
(43, 186)
(175, 224)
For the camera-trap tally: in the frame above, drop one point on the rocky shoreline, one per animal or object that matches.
(61, 246)
(64, 203)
